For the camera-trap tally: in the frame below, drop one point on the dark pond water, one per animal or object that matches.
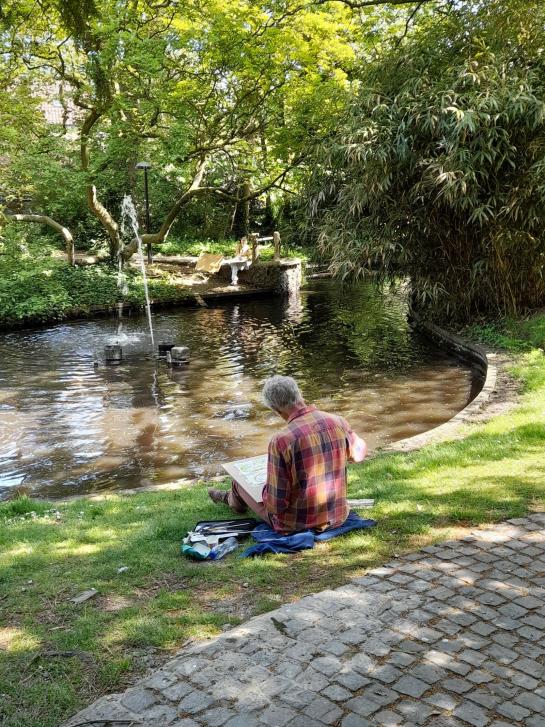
(68, 426)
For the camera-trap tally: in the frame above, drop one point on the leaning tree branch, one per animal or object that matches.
(96, 207)
(61, 229)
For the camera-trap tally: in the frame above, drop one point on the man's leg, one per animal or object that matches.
(239, 501)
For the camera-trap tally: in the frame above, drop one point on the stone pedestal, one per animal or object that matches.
(280, 276)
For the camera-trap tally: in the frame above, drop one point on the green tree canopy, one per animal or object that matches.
(224, 97)
(439, 170)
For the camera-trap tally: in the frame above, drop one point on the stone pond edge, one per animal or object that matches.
(480, 357)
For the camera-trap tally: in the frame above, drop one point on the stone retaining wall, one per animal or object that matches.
(280, 276)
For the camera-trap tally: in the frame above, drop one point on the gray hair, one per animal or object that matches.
(281, 393)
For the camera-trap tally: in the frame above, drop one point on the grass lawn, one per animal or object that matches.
(36, 285)
(55, 657)
(226, 248)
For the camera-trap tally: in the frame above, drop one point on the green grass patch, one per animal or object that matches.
(37, 286)
(225, 247)
(512, 334)
(55, 657)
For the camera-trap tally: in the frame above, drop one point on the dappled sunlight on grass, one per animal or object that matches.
(13, 639)
(162, 599)
(18, 550)
(75, 549)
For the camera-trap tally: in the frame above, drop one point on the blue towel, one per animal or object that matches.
(269, 541)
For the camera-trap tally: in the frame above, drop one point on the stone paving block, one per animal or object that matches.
(387, 718)
(195, 702)
(458, 667)
(450, 645)
(505, 639)
(513, 711)
(335, 647)
(529, 602)
(277, 716)
(337, 693)
(288, 669)
(524, 680)
(411, 686)
(531, 701)
(216, 717)
(442, 700)
(352, 680)
(448, 627)
(299, 698)
(485, 699)
(529, 633)
(362, 707)
(355, 720)
(160, 715)
(398, 658)
(327, 665)
(324, 710)
(160, 680)
(531, 651)
(138, 699)
(460, 686)
(243, 720)
(501, 654)
(463, 619)
(428, 673)
(530, 667)
(386, 673)
(312, 680)
(484, 629)
(512, 610)
(416, 712)
(411, 647)
(480, 677)
(538, 622)
(177, 691)
(503, 689)
(375, 646)
(380, 694)
(536, 721)
(472, 657)
(472, 714)
(362, 663)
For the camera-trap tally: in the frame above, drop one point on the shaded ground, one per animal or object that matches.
(450, 635)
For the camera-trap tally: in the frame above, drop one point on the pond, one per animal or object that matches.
(70, 425)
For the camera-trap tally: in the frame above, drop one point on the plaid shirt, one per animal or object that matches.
(306, 471)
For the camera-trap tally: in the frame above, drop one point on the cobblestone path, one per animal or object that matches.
(452, 635)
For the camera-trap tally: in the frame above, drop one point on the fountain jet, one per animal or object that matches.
(128, 212)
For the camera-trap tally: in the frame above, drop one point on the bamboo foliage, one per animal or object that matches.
(439, 171)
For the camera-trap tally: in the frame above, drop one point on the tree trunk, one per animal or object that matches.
(246, 192)
(96, 207)
(155, 238)
(45, 220)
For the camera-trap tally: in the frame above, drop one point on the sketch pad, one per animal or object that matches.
(250, 474)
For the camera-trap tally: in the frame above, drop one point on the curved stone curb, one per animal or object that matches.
(479, 357)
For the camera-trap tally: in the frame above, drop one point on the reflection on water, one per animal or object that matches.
(69, 424)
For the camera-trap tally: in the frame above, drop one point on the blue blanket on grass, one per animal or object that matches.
(269, 541)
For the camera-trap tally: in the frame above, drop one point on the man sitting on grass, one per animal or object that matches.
(306, 467)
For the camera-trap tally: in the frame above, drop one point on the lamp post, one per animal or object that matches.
(145, 166)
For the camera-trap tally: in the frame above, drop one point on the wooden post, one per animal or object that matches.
(254, 237)
(277, 244)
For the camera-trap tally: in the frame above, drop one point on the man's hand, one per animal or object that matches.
(357, 448)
